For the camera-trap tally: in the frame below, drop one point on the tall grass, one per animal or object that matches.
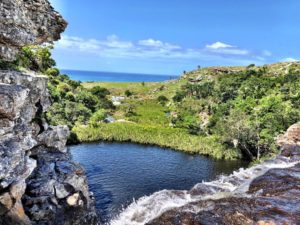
(176, 139)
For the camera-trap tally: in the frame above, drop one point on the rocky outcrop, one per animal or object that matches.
(39, 183)
(24, 22)
(271, 198)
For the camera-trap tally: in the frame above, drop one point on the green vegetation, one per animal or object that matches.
(224, 112)
(72, 103)
(165, 137)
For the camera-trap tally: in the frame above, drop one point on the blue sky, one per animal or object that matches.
(169, 36)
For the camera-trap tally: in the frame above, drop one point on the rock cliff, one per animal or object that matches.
(24, 22)
(39, 183)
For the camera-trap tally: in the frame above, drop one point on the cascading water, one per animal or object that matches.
(150, 207)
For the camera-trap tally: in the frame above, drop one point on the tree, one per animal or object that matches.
(87, 98)
(237, 130)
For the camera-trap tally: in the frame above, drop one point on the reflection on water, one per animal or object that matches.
(121, 172)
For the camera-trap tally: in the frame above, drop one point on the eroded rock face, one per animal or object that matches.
(39, 183)
(271, 198)
(24, 22)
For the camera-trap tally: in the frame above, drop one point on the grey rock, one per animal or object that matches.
(55, 137)
(25, 22)
(6, 203)
(17, 189)
(60, 191)
(36, 174)
(12, 99)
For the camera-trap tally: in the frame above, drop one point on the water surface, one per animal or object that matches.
(85, 76)
(120, 172)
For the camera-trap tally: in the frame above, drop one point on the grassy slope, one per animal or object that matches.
(118, 88)
(151, 125)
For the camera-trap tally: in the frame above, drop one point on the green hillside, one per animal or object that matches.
(223, 112)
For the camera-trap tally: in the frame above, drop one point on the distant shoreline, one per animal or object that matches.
(100, 76)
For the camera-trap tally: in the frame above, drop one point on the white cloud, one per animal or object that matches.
(226, 49)
(218, 45)
(151, 42)
(113, 47)
(113, 41)
(289, 59)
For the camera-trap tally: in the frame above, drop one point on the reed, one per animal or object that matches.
(177, 139)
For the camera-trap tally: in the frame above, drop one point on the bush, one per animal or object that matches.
(86, 98)
(97, 117)
(36, 58)
(52, 72)
(100, 92)
(179, 96)
(128, 93)
(162, 99)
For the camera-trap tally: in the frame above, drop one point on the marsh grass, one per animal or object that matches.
(177, 139)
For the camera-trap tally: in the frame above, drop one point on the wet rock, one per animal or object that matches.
(202, 189)
(276, 182)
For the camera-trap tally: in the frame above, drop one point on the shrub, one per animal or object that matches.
(162, 99)
(128, 93)
(52, 72)
(100, 92)
(97, 117)
(179, 96)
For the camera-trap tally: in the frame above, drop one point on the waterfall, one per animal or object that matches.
(150, 207)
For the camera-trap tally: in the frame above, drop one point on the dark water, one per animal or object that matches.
(85, 76)
(119, 173)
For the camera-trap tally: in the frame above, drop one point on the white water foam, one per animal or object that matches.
(150, 207)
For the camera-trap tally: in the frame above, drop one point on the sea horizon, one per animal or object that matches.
(104, 76)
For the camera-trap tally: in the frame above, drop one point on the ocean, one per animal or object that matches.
(85, 76)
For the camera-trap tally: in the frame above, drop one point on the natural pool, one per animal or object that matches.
(118, 173)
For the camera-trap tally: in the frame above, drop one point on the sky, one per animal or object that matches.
(170, 36)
